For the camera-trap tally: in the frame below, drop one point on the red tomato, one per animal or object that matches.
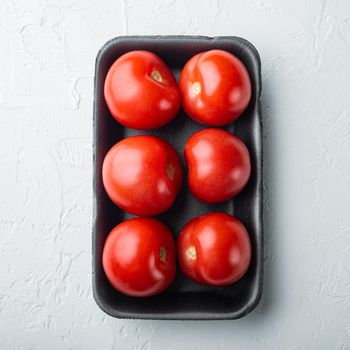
(215, 87)
(139, 257)
(142, 175)
(214, 249)
(218, 165)
(141, 91)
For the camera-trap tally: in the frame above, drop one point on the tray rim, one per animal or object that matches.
(250, 50)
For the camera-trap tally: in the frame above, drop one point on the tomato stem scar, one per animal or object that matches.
(191, 251)
(155, 75)
(196, 88)
(170, 170)
(162, 254)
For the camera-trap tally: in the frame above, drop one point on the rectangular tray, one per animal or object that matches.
(183, 299)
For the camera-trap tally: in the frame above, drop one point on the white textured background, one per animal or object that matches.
(47, 52)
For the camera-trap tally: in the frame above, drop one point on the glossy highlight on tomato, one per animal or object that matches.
(215, 87)
(142, 175)
(141, 92)
(218, 165)
(139, 257)
(214, 249)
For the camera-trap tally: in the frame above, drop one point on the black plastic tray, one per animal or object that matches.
(183, 299)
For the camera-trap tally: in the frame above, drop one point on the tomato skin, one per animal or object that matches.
(218, 165)
(141, 92)
(139, 257)
(214, 249)
(215, 87)
(142, 175)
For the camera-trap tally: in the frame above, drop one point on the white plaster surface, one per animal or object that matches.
(47, 53)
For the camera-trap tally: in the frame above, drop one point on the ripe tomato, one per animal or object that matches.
(141, 91)
(142, 175)
(218, 165)
(139, 257)
(215, 87)
(214, 249)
